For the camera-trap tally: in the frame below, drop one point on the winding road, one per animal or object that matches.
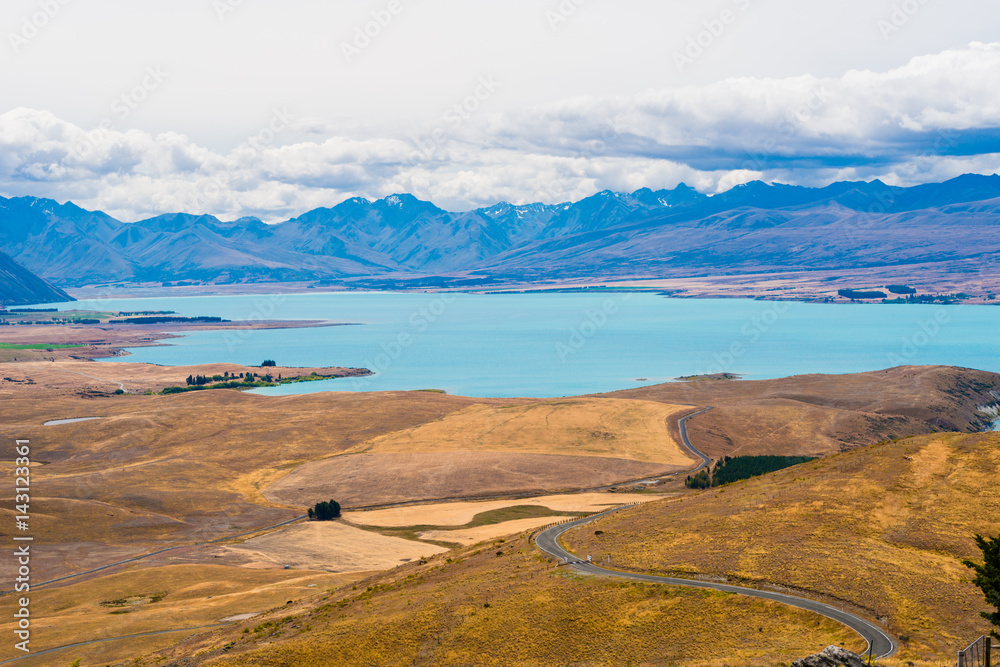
(880, 644)
(682, 427)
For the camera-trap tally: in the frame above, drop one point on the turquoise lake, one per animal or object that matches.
(566, 344)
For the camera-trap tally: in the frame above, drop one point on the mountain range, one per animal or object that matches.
(665, 233)
(18, 286)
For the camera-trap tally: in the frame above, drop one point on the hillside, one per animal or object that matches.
(890, 546)
(18, 286)
(816, 415)
(401, 240)
(501, 604)
(880, 530)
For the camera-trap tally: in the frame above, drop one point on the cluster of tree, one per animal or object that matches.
(988, 577)
(932, 298)
(268, 363)
(198, 383)
(732, 469)
(200, 380)
(167, 319)
(328, 510)
(700, 480)
(901, 289)
(862, 294)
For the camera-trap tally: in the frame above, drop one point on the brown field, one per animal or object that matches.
(818, 415)
(178, 471)
(362, 480)
(616, 429)
(469, 536)
(163, 470)
(498, 448)
(333, 547)
(461, 513)
(192, 596)
(47, 379)
(503, 604)
(881, 530)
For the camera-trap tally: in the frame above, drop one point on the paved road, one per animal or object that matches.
(881, 644)
(682, 427)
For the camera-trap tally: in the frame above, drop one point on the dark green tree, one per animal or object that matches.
(268, 363)
(325, 511)
(988, 577)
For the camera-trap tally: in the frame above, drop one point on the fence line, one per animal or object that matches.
(976, 654)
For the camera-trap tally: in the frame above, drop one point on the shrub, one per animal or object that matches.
(699, 481)
(325, 511)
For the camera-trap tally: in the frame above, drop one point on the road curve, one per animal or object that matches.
(880, 644)
(682, 427)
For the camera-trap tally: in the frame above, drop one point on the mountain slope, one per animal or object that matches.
(18, 286)
(879, 530)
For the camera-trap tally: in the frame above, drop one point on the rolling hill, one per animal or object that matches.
(889, 548)
(667, 233)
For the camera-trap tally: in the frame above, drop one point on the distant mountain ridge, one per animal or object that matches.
(19, 287)
(664, 233)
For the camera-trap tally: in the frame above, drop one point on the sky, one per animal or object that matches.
(270, 109)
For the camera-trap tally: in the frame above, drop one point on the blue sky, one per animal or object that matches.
(259, 107)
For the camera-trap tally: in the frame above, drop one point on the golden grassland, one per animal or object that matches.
(824, 414)
(160, 471)
(881, 529)
(462, 513)
(45, 379)
(154, 599)
(499, 448)
(477, 534)
(501, 603)
(333, 546)
(366, 480)
(622, 429)
(175, 469)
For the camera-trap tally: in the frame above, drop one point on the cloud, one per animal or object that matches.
(931, 119)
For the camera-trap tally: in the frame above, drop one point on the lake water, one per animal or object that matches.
(566, 344)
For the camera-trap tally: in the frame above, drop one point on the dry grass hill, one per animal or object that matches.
(174, 472)
(879, 530)
(817, 415)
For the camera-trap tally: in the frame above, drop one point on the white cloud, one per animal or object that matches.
(931, 119)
